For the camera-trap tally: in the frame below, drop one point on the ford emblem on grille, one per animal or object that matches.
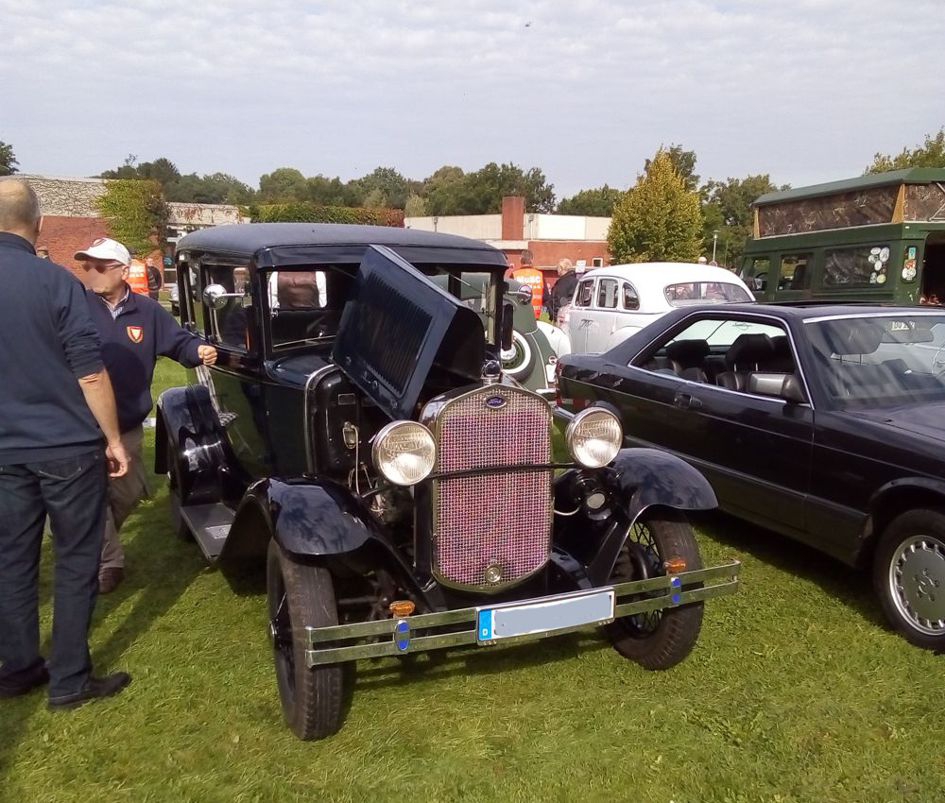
(495, 402)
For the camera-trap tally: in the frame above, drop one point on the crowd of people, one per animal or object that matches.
(77, 367)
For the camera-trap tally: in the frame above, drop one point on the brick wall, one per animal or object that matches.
(63, 236)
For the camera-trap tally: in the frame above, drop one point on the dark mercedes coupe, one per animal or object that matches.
(824, 423)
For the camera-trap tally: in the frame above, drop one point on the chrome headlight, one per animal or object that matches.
(594, 437)
(404, 452)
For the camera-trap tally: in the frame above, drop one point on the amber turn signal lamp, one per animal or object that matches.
(402, 608)
(675, 565)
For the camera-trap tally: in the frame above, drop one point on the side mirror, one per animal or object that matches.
(784, 386)
(508, 313)
(215, 296)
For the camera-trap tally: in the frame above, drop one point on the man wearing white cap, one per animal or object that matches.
(135, 330)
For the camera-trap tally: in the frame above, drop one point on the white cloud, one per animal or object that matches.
(586, 90)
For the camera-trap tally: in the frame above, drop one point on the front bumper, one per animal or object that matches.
(436, 631)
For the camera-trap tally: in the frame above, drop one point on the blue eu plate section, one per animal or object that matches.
(526, 619)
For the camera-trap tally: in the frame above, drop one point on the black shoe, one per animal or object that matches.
(13, 684)
(95, 689)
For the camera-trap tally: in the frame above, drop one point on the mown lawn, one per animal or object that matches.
(796, 692)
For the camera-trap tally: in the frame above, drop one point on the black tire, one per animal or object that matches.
(909, 576)
(302, 595)
(659, 639)
(173, 489)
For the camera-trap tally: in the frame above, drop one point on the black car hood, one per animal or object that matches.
(398, 326)
(926, 420)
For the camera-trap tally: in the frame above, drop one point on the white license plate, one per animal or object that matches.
(509, 621)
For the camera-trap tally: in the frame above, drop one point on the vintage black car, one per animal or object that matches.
(825, 423)
(358, 440)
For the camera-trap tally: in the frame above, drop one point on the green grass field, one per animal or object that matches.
(796, 692)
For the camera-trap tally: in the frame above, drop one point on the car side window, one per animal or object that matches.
(585, 293)
(607, 294)
(755, 275)
(229, 325)
(723, 352)
(795, 271)
(631, 301)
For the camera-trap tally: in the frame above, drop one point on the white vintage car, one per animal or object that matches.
(613, 302)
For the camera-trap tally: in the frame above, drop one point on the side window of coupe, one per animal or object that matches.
(631, 301)
(607, 294)
(585, 293)
(726, 353)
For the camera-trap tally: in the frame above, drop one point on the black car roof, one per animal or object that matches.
(248, 239)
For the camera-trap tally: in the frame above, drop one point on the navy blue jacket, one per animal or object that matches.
(131, 344)
(48, 343)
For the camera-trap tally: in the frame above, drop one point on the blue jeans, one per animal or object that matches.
(71, 491)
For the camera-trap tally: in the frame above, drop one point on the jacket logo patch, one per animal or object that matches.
(135, 334)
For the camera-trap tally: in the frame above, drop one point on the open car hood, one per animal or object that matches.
(400, 326)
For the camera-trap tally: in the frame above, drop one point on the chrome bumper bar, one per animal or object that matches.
(437, 631)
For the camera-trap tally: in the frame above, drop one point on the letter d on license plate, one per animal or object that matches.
(527, 619)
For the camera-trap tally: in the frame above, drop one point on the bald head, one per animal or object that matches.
(19, 209)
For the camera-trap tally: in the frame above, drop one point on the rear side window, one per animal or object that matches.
(631, 300)
(585, 293)
(860, 266)
(607, 294)
(795, 272)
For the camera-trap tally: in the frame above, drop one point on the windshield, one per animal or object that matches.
(305, 303)
(881, 360)
(684, 294)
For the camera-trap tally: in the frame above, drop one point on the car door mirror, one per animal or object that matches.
(508, 313)
(784, 386)
(215, 296)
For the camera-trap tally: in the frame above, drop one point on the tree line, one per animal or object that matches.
(666, 215)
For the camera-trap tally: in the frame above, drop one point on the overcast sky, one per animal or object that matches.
(806, 90)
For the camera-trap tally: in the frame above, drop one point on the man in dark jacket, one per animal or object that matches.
(563, 290)
(135, 331)
(56, 402)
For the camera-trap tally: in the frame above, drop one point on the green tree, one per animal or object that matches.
(8, 162)
(930, 154)
(726, 211)
(658, 219)
(331, 191)
(385, 185)
(282, 185)
(415, 206)
(684, 161)
(481, 192)
(217, 188)
(598, 202)
(136, 212)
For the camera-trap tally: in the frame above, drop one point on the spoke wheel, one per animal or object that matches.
(301, 595)
(657, 639)
(909, 576)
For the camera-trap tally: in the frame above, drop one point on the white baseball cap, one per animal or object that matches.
(107, 249)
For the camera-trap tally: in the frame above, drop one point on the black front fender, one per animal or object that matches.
(313, 519)
(637, 479)
(647, 477)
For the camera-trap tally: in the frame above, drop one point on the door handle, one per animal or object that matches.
(686, 401)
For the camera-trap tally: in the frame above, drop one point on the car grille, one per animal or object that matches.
(498, 523)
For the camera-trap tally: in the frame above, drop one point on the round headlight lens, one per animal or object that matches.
(404, 452)
(594, 437)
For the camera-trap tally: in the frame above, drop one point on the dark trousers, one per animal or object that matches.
(72, 493)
